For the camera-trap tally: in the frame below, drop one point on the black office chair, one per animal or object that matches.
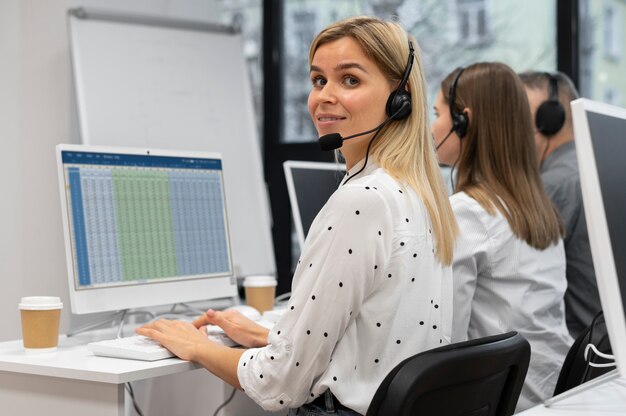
(481, 377)
(576, 369)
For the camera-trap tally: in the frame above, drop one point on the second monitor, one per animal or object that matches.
(310, 184)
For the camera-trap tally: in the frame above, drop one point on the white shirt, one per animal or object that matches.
(502, 284)
(368, 292)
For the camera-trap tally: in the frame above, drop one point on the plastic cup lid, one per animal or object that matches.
(40, 303)
(260, 281)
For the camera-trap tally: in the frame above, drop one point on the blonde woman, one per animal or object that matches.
(373, 285)
(509, 263)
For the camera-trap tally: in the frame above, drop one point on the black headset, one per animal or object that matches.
(550, 115)
(399, 101)
(459, 120)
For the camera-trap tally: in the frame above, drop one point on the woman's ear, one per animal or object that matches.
(467, 111)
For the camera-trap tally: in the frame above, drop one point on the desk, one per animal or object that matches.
(606, 398)
(71, 381)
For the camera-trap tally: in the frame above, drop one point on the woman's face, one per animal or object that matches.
(449, 151)
(348, 94)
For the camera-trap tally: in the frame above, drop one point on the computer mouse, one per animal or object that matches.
(247, 311)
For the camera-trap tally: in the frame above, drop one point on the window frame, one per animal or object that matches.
(275, 151)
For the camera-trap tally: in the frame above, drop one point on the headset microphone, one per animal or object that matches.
(444, 139)
(334, 141)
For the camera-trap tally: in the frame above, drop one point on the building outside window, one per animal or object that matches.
(612, 28)
(520, 33)
(473, 22)
(602, 40)
(611, 96)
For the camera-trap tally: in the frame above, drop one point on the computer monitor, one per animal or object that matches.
(143, 227)
(310, 184)
(600, 131)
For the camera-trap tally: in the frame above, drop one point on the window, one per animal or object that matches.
(493, 30)
(473, 22)
(601, 47)
(612, 31)
(611, 96)
(303, 29)
(450, 33)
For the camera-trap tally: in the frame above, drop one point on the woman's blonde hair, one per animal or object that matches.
(498, 162)
(405, 148)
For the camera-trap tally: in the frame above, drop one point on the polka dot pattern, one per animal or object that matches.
(365, 232)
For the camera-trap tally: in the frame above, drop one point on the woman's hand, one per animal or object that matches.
(189, 343)
(181, 338)
(239, 328)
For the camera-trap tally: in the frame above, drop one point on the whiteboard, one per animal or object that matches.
(170, 84)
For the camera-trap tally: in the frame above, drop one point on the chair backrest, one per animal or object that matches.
(576, 369)
(481, 377)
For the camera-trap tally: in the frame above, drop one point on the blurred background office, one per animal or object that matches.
(583, 38)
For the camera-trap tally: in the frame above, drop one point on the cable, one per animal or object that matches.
(132, 396)
(588, 359)
(221, 406)
(367, 154)
(599, 354)
(454, 165)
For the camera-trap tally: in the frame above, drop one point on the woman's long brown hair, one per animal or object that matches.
(498, 163)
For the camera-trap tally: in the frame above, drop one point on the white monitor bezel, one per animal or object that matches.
(599, 237)
(115, 298)
(291, 189)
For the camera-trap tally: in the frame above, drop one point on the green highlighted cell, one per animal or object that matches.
(145, 231)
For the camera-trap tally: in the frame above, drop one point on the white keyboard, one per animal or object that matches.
(136, 347)
(217, 335)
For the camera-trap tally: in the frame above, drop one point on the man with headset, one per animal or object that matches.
(549, 96)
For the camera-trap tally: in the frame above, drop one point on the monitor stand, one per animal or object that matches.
(173, 313)
(119, 315)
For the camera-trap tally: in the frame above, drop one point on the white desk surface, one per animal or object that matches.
(607, 398)
(72, 360)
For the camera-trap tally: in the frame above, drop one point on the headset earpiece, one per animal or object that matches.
(550, 115)
(399, 105)
(460, 121)
(399, 102)
(459, 124)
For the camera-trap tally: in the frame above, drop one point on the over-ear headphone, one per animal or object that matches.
(459, 120)
(399, 101)
(550, 115)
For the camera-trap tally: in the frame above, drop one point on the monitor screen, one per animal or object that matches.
(143, 227)
(310, 184)
(600, 131)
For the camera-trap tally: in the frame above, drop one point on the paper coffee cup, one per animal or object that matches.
(260, 292)
(41, 316)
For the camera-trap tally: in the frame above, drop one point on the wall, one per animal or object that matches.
(35, 115)
(34, 106)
